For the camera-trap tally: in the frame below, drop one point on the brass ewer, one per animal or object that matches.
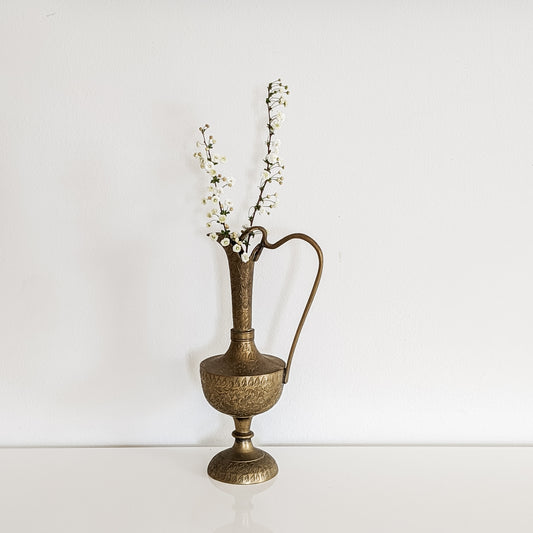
(243, 382)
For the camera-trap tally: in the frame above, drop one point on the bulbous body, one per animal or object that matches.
(242, 395)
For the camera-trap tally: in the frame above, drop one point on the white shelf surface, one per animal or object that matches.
(319, 489)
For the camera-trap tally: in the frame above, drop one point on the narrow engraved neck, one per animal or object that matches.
(241, 279)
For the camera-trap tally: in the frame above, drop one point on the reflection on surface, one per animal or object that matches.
(243, 506)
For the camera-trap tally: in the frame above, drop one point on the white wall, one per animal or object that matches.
(408, 144)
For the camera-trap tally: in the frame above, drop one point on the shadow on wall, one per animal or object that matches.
(128, 384)
(217, 345)
(113, 264)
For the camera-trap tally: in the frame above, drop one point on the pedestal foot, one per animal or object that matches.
(242, 464)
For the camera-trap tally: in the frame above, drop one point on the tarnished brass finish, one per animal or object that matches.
(243, 382)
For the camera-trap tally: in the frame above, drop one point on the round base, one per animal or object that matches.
(232, 466)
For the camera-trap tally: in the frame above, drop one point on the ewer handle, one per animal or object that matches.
(254, 256)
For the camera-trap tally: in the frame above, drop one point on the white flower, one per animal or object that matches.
(236, 248)
(222, 218)
(215, 199)
(245, 257)
(199, 144)
(213, 236)
(265, 175)
(224, 242)
(272, 157)
(209, 167)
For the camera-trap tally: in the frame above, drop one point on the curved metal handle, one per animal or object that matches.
(254, 256)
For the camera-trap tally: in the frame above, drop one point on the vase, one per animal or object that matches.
(243, 382)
